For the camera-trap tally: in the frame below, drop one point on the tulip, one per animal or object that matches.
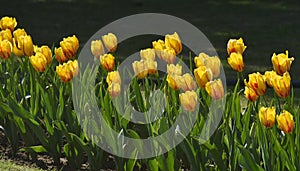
(46, 51)
(108, 62)
(203, 75)
(250, 94)
(8, 23)
(168, 55)
(97, 48)
(38, 61)
(140, 68)
(174, 69)
(26, 45)
(67, 71)
(5, 49)
(152, 67)
(187, 83)
(236, 62)
(59, 55)
(282, 84)
(6, 35)
(282, 63)
(110, 41)
(159, 46)
(69, 46)
(188, 100)
(16, 51)
(73, 66)
(257, 83)
(199, 60)
(18, 33)
(269, 75)
(267, 116)
(147, 54)
(173, 41)
(286, 122)
(114, 89)
(215, 89)
(214, 64)
(174, 81)
(236, 46)
(113, 77)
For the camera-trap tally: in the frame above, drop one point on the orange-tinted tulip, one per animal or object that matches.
(269, 75)
(70, 46)
(174, 69)
(39, 62)
(110, 42)
(250, 94)
(257, 83)
(67, 71)
(173, 41)
(97, 48)
(286, 122)
(8, 23)
(215, 89)
(187, 83)
(152, 66)
(188, 100)
(282, 84)
(113, 77)
(73, 66)
(140, 68)
(203, 75)
(236, 46)
(199, 60)
(6, 35)
(168, 55)
(159, 46)
(46, 51)
(59, 55)
(267, 116)
(108, 62)
(26, 45)
(147, 54)
(114, 89)
(5, 49)
(174, 81)
(236, 62)
(282, 62)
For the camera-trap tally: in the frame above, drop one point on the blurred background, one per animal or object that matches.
(267, 26)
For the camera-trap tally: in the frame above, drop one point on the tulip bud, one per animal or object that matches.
(257, 83)
(39, 62)
(69, 46)
(174, 69)
(46, 51)
(187, 83)
(173, 41)
(147, 54)
(108, 62)
(6, 35)
(188, 100)
(74, 68)
(8, 23)
(140, 68)
(236, 46)
(152, 67)
(215, 89)
(174, 81)
(168, 55)
(250, 94)
(5, 49)
(26, 45)
(114, 89)
(199, 60)
(159, 46)
(282, 84)
(269, 75)
(97, 48)
(267, 116)
(18, 33)
(282, 63)
(59, 55)
(236, 62)
(110, 41)
(67, 71)
(16, 51)
(113, 77)
(286, 122)
(203, 75)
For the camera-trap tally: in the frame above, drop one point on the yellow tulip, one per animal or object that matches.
(114, 89)
(203, 75)
(46, 51)
(236, 62)
(282, 84)
(199, 60)
(113, 77)
(38, 61)
(250, 94)
(59, 55)
(69, 46)
(282, 62)
(174, 81)
(187, 83)
(152, 66)
(73, 66)
(97, 48)
(5, 49)
(108, 62)
(168, 55)
(6, 35)
(18, 33)
(236, 46)
(269, 75)
(8, 23)
(286, 122)
(173, 41)
(257, 83)
(215, 89)
(188, 100)
(214, 64)
(147, 54)
(267, 116)
(110, 41)
(159, 46)
(16, 51)
(174, 69)
(26, 45)
(140, 68)
(67, 71)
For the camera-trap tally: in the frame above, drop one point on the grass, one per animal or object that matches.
(10, 166)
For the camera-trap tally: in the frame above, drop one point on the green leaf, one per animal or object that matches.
(35, 149)
(247, 161)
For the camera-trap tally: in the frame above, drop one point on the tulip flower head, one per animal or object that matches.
(113, 77)
(70, 46)
(269, 76)
(286, 122)
(67, 71)
(282, 62)
(257, 83)
(46, 51)
(267, 116)
(114, 89)
(108, 62)
(110, 42)
(250, 94)
(38, 61)
(236, 46)
(140, 68)
(152, 66)
(97, 48)
(187, 83)
(8, 23)
(59, 55)
(282, 84)
(188, 100)
(6, 35)
(203, 75)
(173, 42)
(147, 54)
(5, 49)
(236, 62)
(215, 89)
(174, 69)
